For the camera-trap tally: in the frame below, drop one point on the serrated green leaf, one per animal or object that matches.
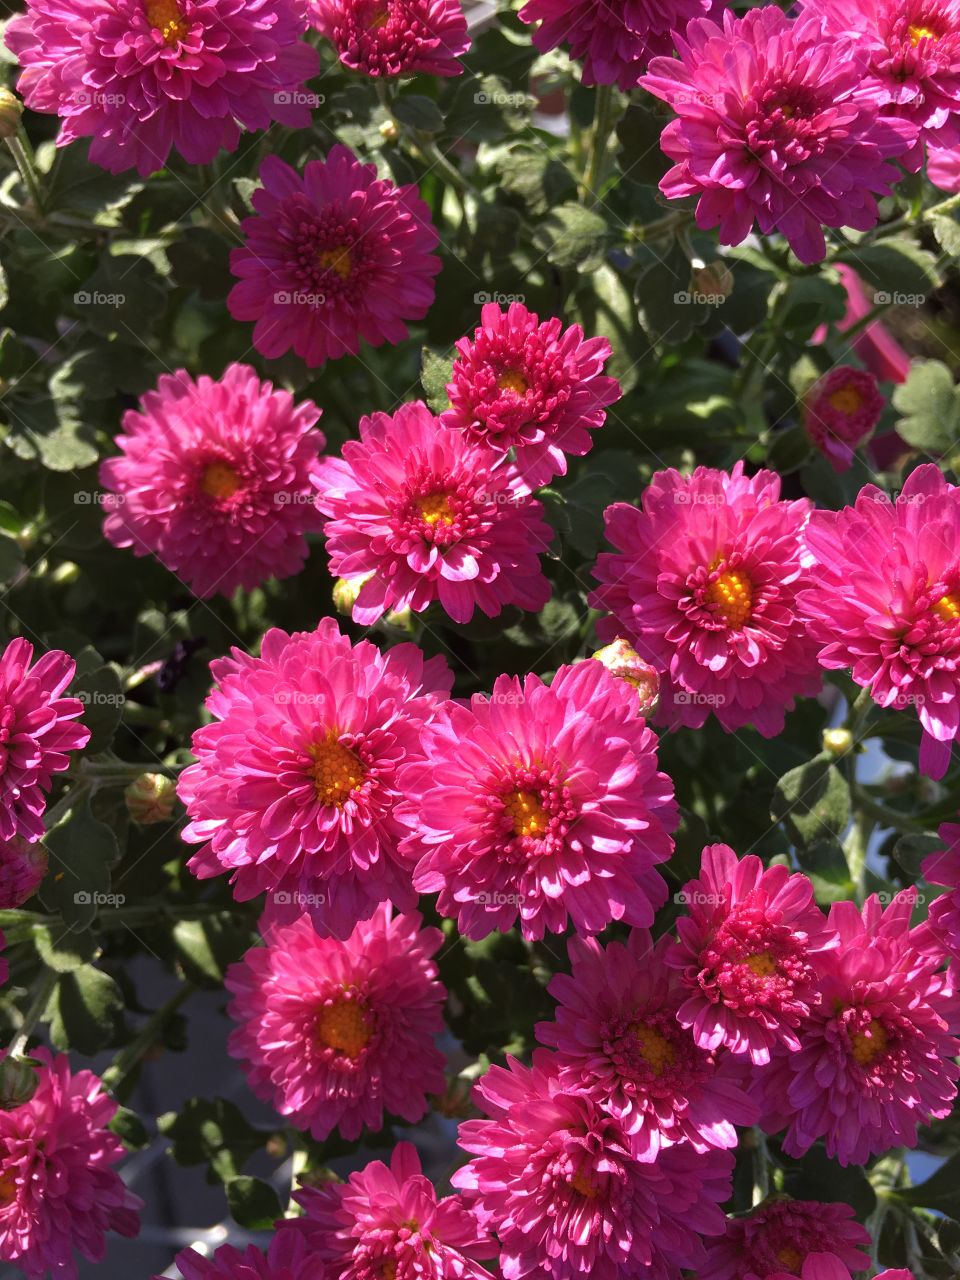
(435, 373)
(929, 404)
(86, 1010)
(63, 949)
(572, 236)
(812, 802)
(82, 851)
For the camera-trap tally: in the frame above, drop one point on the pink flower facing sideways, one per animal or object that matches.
(37, 733)
(295, 785)
(217, 479)
(395, 37)
(784, 1239)
(884, 601)
(58, 1191)
(542, 802)
(332, 258)
(287, 1258)
(775, 128)
(748, 950)
(875, 1057)
(140, 77)
(22, 868)
(532, 387)
(617, 1039)
(386, 1223)
(334, 1033)
(554, 1176)
(943, 918)
(840, 411)
(704, 583)
(425, 514)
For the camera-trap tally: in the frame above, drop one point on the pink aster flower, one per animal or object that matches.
(36, 734)
(618, 1040)
(616, 40)
(294, 789)
(58, 1191)
(774, 128)
(943, 168)
(912, 49)
(840, 411)
(335, 256)
(554, 1176)
(875, 1056)
(783, 1239)
(287, 1258)
(140, 77)
(333, 1034)
(533, 387)
(22, 868)
(749, 951)
(899, 1274)
(884, 601)
(704, 583)
(395, 37)
(217, 479)
(386, 1221)
(428, 515)
(542, 802)
(943, 918)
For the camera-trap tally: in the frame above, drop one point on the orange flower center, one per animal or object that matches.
(527, 814)
(435, 509)
(920, 31)
(8, 1188)
(337, 772)
(219, 481)
(345, 1027)
(762, 964)
(166, 16)
(846, 400)
(867, 1045)
(337, 260)
(790, 1257)
(731, 594)
(513, 380)
(947, 608)
(379, 19)
(655, 1049)
(583, 1184)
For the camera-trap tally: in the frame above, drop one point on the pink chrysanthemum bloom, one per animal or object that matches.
(774, 128)
(140, 77)
(386, 1223)
(704, 584)
(912, 49)
(884, 600)
(749, 950)
(36, 734)
(840, 411)
(943, 168)
(895, 1275)
(395, 37)
(333, 1034)
(58, 1192)
(217, 480)
(614, 41)
(554, 1176)
(533, 387)
(622, 660)
(287, 1258)
(295, 785)
(876, 1056)
(430, 516)
(617, 1039)
(22, 868)
(783, 1239)
(543, 803)
(943, 918)
(335, 256)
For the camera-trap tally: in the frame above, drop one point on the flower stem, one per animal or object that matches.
(34, 1013)
(597, 156)
(22, 153)
(129, 1057)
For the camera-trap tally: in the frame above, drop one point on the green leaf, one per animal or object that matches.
(418, 112)
(208, 946)
(435, 373)
(103, 700)
(130, 1129)
(572, 236)
(946, 230)
(64, 950)
(895, 271)
(826, 865)
(640, 157)
(812, 802)
(82, 851)
(789, 449)
(536, 177)
(11, 558)
(48, 432)
(87, 1008)
(940, 1192)
(212, 1131)
(929, 405)
(253, 1203)
(669, 308)
(811, 301)
(910, 851)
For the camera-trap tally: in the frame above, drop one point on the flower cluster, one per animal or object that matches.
(395, 37)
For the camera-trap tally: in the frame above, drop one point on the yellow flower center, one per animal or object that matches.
(527, 814)
(947, 608)
(389, 1270)
(731, 594)
(336, 770)
(8, 1188)
(337, 260)
(918, 31)
(790, 1257)
(867, 1045)
(379, 19)
(513, 380)
(655, 1049)
(435, 509)
(762, 964)
(582, 1183)
(166, 17)
(344, 1026)
(846, 400)
(219, 481)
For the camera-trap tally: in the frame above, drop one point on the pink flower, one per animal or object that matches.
(287, 1258)
(555, 1178)
(622, 660)
(142, 76)
(36, 734)
(428, 515)
(532, 387)
(386, 1221)
(875, 1056)
(4, 967)
(58, 1191)
(774, 128)
(873, 343)
(333, 1034)
(294, 789)
(749, 950)
(543, 802)
(217, 479)
(943, 918)
(783, 1239)
(884, 601)
(912, 51)
(616, 40)
(395, 37)
(840, 411)
(895, 1275)
(22, 868)
(704, 583)
(335, 256)
(943, 170)
(618, 1040)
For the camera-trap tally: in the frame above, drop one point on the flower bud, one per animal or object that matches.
(22, 867)
(18, 1083)
(715, 279)
(454, 1102)
(11, 109)
(345, 592)
(150, 799)
(837, 741)
(623, 661)
(389, 131)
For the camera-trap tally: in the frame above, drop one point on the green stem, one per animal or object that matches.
(865, 322)
(596, 159)
(22, 153)
(129, 1057)
(884, 816)
(64, 805)
(450, 174)
(34, 1013)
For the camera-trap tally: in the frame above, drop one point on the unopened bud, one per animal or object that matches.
(11, 109)
(454, 1102)
(389, 131)
(715, 278)
(22, 867)
(623, 661)
(151, 798)
(402, 619)
(345, 592)
(18, 1083)
(837, 741)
